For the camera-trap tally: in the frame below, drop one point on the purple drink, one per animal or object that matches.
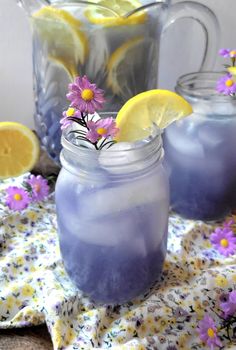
(112, 209)
(200, 153)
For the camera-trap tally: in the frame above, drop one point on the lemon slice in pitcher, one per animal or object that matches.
(102, 15)
(125, 65)
(161, 107)
(61, 33)
(19, 149)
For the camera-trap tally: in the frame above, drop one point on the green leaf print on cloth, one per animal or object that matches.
(34, 287)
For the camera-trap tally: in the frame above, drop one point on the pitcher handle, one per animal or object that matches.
(210, 25)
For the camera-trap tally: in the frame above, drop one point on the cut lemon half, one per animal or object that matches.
(19, 149)
(162, 107)
(126, 67)
(112, 12)
(61, 33)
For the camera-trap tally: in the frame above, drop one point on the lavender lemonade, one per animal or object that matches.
(112, 209)
(200, 151)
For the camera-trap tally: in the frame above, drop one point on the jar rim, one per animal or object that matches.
(136, 158)
(142, 144)
(202, 85)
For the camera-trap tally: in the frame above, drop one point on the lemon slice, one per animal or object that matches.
(232, 70)
(161, 107)
(63, 72)
(19, 149)
(61, 34)
(126, 67)
(104, 16)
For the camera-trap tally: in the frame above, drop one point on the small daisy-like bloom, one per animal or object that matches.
(226, 85)
(224, 240)
(229, 306)
(71, 112)
(227, 53)
(101, 128)
(224, 52)
(17, 198)
(85, 96)
(40, 188)
(208, 332)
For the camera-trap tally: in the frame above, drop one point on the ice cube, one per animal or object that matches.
(122, 157)
(121, 197)
(184, 140)
(211, 136)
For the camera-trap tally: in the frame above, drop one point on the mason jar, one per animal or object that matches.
(112, 211)
(200, 151)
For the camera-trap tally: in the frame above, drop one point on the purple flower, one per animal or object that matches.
(224, 52)
(224, 240)
(101, 128)
(85, 96)
(208, 333)
(71, 112)
(227, 53)
(229, 306)
(17, 198)
(226, 85)
(40, 188)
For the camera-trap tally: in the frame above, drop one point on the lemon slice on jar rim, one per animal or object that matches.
(105, 14)
(62, 33)
(19, 149)
(161, 107)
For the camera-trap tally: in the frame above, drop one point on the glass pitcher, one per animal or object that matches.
(117, 49)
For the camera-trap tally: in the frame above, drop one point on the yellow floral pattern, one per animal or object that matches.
(34, 287)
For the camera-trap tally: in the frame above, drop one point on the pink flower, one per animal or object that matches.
(85, 96)
(224, 240)
(229, 306)
(227, 53)
(101, 128)
(71, 112)
(226, 85)
(208, 332)
(40, 188)
(17, 199)
(224, 52)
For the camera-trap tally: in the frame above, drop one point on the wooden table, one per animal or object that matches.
(32, 338)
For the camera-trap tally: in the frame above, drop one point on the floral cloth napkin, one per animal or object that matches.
(34, 288)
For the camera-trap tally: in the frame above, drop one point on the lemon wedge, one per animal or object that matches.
(61, 33)
(103, 14)
(136, 117)
(232, 70)
(19, 149)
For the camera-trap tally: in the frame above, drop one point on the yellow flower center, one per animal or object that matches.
(229, 82)
(70, 112)
(232, 53)
(17, 197)
(101, 131)
(210, 333)
(224, 243)
(37, 187)
(87, 95)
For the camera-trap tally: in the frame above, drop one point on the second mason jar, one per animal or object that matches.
(201, 151)
(112, 211)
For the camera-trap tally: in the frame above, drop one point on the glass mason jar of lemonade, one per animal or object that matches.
(200, 151)
(112, 210)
